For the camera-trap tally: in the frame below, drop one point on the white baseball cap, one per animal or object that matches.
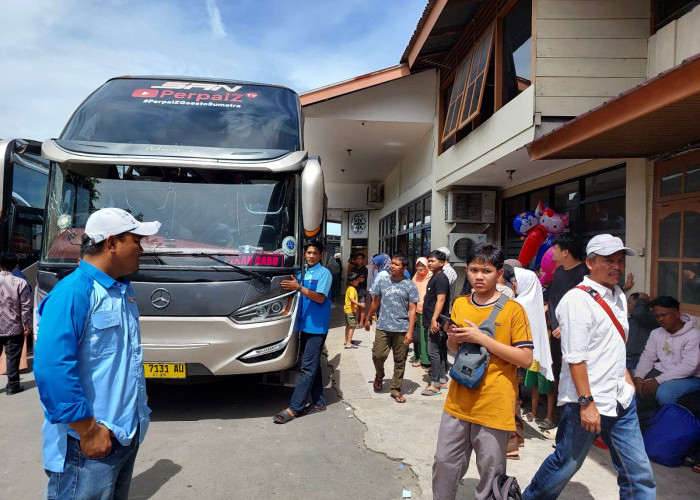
(112, 221)
(607, 244)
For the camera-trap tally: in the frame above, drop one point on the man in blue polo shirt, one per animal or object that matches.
(314, 320)
(88, 365)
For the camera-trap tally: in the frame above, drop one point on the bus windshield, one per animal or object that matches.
(238, 120)
(248, 217)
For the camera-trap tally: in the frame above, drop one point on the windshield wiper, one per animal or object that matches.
(242, 270)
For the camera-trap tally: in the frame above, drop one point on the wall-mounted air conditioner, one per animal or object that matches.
(375, 193)
(460, 244)
(475, 207)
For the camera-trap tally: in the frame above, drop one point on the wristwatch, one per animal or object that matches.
(585, 400)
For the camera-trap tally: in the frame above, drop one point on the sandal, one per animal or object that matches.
(377, 383)
(416, 363)
(430, 391)
(550, 433)
(312, 408)
(398, 397)
(546, 424)
(513, 455)
(529, 416)
(284, 416)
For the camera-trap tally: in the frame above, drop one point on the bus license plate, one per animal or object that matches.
(165, 370)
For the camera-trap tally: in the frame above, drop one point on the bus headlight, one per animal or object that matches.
(267, 310)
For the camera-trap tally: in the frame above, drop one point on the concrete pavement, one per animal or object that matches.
(408, 432)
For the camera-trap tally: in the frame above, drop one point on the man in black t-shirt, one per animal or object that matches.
(361, 269)
(436, 302)
(567, 255)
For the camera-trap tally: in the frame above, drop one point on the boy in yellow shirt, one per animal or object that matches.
(481, 418)
(351, 307)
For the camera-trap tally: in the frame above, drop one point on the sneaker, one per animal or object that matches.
(14, 390)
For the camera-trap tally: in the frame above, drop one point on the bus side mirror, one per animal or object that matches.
(313, 194)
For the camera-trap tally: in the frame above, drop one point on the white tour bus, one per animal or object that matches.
(222, 166)
(23, 179)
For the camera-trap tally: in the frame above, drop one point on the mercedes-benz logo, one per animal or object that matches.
(160, 298)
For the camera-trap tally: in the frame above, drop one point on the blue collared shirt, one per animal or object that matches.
(88, 360)
(315, 317)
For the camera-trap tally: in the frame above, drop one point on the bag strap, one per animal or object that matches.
(596, 296)
(488, 326)
(502, 493)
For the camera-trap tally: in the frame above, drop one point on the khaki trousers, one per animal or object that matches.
(383, 343)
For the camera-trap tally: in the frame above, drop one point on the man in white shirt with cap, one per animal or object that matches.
(88, 364)
(595, 388)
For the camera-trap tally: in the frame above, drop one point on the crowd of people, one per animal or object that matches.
(578, 341)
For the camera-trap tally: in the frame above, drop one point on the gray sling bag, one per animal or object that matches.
(472, 360)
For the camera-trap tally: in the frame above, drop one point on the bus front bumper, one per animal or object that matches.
(219, 345)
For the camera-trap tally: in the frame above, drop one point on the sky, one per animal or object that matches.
(56, 52)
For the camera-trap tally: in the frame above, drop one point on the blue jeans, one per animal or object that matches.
(94, 478)
(621, 434)
(669, 392)
(311, 380)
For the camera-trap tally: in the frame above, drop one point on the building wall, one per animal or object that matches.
(508, 129)
(588, 51)
(674, 42)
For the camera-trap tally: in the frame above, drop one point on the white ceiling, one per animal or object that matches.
(378, 125)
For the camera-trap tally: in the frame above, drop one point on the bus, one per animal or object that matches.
(221, 164)
(23, 179)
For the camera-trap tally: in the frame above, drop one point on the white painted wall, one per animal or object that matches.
(588, 51)
(673, 43)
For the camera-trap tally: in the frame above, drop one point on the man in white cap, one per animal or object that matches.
(88, 364)
(595, 389)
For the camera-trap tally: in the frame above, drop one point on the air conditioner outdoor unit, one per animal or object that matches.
(460, 244)
(375, 193)
(476, 207)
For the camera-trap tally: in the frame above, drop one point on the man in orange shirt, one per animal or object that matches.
(481, 418)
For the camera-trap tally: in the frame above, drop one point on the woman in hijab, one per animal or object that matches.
(528, 292)
(420, 336)
(382, 262)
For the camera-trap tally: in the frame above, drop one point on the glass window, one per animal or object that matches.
(517, 50)
(515, 205)
(605, 183)
(692, 178)
(537, 196)
(468, 87)
(260, 120)
(456, 98)
(691, 235)
(426, 211)
(566, 194)
(690, 290)
(477, 76)
(670, 236)
(29, 186)
(606, 213)
(411, 216)
(605, 216)
(403, 218)
(201, 210)
(667, 278)
(676, 256)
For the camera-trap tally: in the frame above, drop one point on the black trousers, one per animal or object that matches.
(13, 345)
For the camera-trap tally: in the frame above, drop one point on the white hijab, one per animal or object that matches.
(530, 297)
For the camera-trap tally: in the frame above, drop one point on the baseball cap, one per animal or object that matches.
(352, 276)
(607, 244)
(445, 251)
(112, 221)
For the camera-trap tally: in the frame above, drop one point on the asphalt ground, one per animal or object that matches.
(218, 441)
